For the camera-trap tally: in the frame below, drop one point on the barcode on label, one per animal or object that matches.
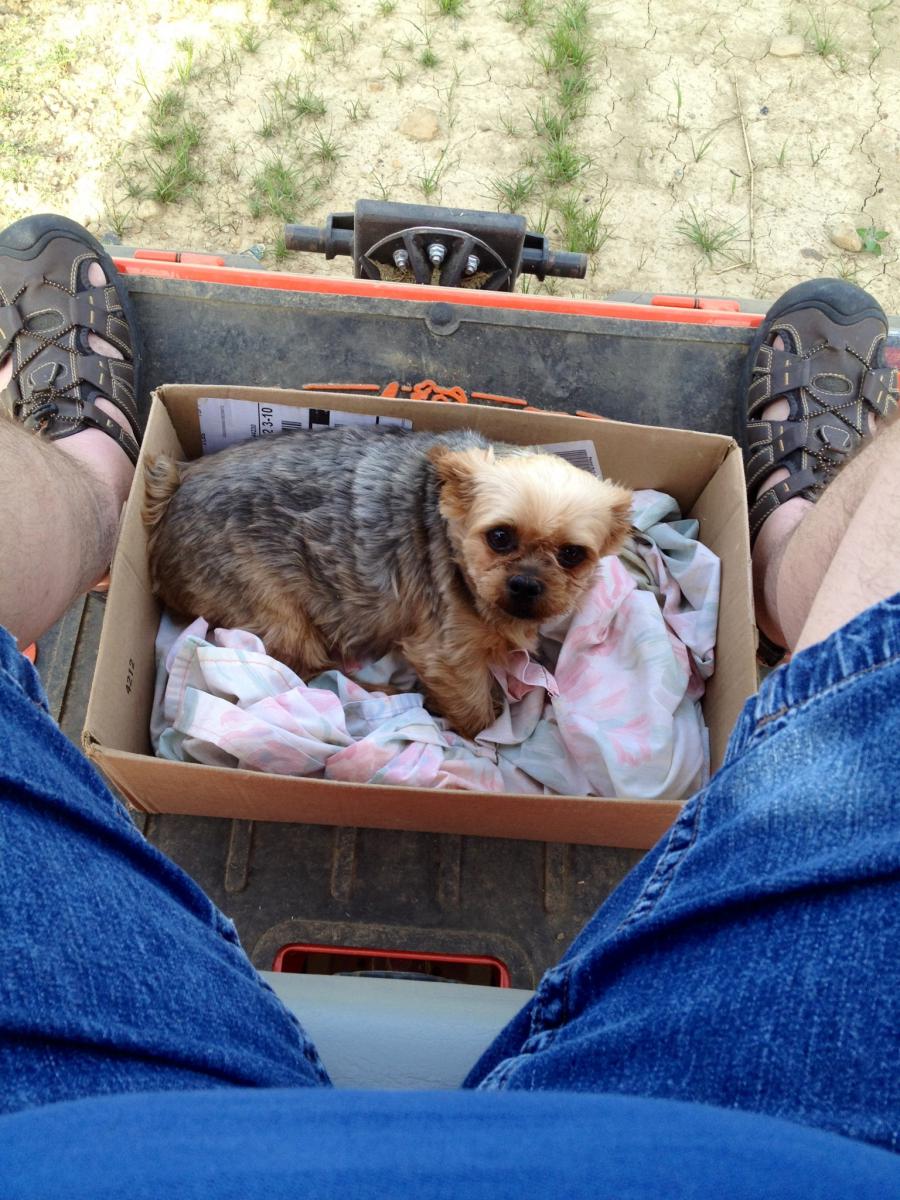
(580, 454)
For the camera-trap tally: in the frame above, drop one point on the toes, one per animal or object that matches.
(96, 275)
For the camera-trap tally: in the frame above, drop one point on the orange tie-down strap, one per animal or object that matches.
(427, 389)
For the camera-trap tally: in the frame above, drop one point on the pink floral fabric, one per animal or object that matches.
(612, 708)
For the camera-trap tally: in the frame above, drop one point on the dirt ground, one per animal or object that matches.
(189, 125)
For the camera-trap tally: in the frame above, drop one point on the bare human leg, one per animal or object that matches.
(58, 376)
(60, 519)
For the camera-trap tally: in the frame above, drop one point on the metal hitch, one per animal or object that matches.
(451, 247)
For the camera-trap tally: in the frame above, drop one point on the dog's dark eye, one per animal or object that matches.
(571, 556)
(502, 539)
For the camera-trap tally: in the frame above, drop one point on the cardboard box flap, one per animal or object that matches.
(121, 699)
(724, 527)
(155, 785)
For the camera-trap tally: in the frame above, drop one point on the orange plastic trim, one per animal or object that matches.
(30, 652)
(168, 256)
(517, 301)
(704, 302)
(212, 260)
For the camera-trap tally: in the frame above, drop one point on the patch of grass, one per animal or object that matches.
(582, 228)
(297, 100)
(181, 139)
(450, 8)
(64, 55)
(572, 94)
(548, 124)
(427, 56)
(132, 185)
(710, 236)
(386, 7)
(430, 180)
(562, 163)
(173, 178)
(872, 238)
(325, 148)
(782, 154)
(568, 56)
(166, 106)
(279, 249)
(269, 120)
(230, 162)
(679, 101)
(701, 148)
(357, 111)
(228, 69)
(524, 13)
(397, 72)
(816, 156)
(118, 218)
(384, 192)
(568, 44)
(276, 189)
(250, 38)
(542, 221)
(514, 193)
(184, 65)
(822, 34)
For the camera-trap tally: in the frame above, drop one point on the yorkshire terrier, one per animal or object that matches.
(342, 544)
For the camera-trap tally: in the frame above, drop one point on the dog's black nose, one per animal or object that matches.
(524, 587)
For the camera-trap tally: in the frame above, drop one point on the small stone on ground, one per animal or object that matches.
(846, 237)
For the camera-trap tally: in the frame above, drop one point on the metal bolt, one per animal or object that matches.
(401, 259)
(437, 252)
(472, 264)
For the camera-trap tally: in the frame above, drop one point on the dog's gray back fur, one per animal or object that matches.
(352, 512)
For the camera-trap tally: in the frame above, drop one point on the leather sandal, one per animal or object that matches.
(832, 374)
(47, 309)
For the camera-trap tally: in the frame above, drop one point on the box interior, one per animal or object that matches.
(702, 471)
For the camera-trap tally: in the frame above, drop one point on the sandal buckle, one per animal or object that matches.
(40, 416)
(41, 411)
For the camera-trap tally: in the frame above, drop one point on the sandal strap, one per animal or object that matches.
(769, 443)
(10, 325)
(777, 372)
(58, 416)
(98, 309)
(880, 388)
(773, 497)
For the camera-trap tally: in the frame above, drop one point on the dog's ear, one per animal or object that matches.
(620, 501)
(457, 472)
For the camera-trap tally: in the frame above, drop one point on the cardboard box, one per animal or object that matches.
(703, 471)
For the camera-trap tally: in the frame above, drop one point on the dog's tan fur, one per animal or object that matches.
(394, 555)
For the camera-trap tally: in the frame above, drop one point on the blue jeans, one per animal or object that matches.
(747, 966)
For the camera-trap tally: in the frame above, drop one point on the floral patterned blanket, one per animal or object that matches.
(611, 706)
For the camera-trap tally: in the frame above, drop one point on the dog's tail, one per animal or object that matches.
(162, 479)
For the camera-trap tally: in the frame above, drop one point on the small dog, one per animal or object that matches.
(345, 543)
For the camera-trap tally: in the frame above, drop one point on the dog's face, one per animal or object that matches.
(527, 528)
